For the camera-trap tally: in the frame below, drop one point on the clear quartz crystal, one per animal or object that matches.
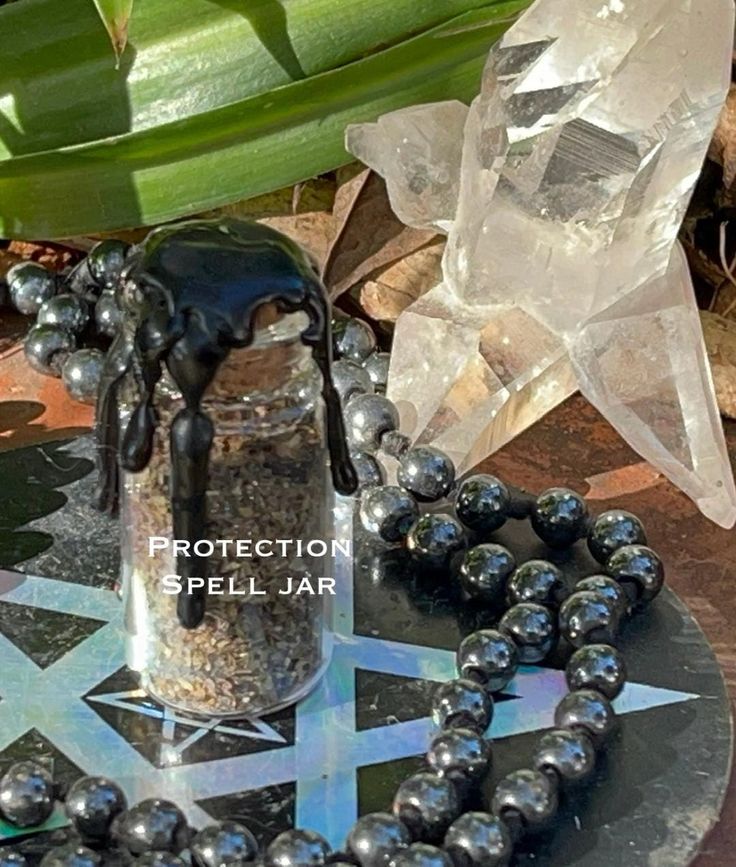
(562, 268)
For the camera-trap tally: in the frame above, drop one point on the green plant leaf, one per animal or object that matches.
(115, 15)
(74, 167)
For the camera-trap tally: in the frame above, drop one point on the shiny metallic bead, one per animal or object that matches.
(482, 503)
(26, 794)
(427, 804)
(298, 848)
(462, 703)
(587, 616)
(12, 859)
(611, 531)
(228, 844)
(434, 539)
(485, 571)
(559, 517)
(108, 315)
(489, 657)
(421, 855)
(71, 855)
(599, 667)
(367, 418)
(376, 366)
(526, 795)
(459, 754)
(388, 511)
(588, 710)
(478, 840)
(607, 587)
(158, 859)
(47, 348)
(81, 374)
(536, 581)
(569, 754)
(352, 339)
(426, 472)
(376, 838)
(66, 311)
(533, 629)
(395, 443)
(369, 470)
(152, 825)
(639, 567)
(106, 261)
(350, 379)
(92, 803)
(29, 286)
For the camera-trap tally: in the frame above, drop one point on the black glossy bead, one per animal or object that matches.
(71, 855)
(599, 667)
(12, 859)
(92, 803)
(489, 657)
(152, 825)
(611, 531)
(66, 311)
(298, 848)
(421, 855)
(536, 581)
(367, 418)
(482, 503)
(29, 286)
(426, 472)
(559, 517)
(588, 710)
(375, 838)
(462, 703)
(434, 539)
(638, 567)
(352, 339)
(81, 374)
(228, 844)
(376, 366)
(388, 511)
(26, 794)
(485, 571)
(47, 348)
(158, 859)
(607, 587)
(533, 629)
(478, 840)
(427, 804)
(587, 616)
(107, 313)
(106, 260)
(350, 379)
(459, 754)
(526, 795)
(370, 472)
(569, 754)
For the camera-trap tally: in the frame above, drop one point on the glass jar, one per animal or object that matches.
(257, 649)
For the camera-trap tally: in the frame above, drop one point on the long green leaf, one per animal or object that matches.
(244, 148)
(115, 16)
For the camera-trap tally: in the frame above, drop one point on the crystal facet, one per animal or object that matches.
(572, 170)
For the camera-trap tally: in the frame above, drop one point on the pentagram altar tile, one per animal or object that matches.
(67, 697)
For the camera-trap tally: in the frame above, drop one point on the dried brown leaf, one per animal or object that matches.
(720, 341)
(723, 145)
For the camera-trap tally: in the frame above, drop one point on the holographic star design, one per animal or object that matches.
(328, 748)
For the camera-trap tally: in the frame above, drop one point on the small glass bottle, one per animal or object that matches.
(255, 648)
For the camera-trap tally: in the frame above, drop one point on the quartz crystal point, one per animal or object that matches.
(562, 195)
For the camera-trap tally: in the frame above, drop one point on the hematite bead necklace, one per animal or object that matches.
(427, 826)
